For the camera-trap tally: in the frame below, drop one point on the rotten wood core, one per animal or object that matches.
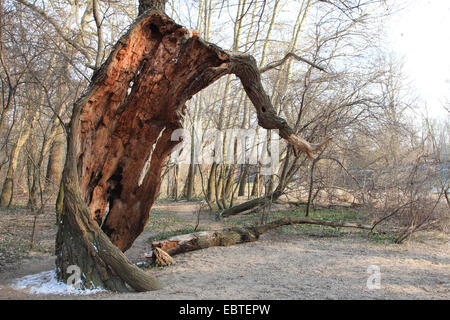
(127, 123)
(120, 135)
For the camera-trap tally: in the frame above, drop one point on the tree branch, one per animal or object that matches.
(57, 29)
(245, 68)
(278, 63)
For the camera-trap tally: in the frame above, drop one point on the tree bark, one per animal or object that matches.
(55, 161)
(190, 182)
(311, 187)
(212, 183)
(151, 4)
(59, 202)
(8, 185)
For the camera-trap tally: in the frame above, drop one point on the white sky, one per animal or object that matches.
(421, 34)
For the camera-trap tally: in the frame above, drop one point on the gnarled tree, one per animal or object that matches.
(120, 135)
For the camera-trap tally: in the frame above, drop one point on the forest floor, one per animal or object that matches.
(292, 262)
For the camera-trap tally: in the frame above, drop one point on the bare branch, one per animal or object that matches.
(57, 29)
(278, 63)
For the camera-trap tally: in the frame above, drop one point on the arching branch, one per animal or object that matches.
(245, 68)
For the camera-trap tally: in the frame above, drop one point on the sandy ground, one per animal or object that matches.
(278, 267)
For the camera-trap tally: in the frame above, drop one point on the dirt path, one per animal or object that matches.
(277, 268)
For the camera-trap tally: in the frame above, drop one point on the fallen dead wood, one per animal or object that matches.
(236, 235)
(206, 239)
(272, 198)
(250, 204)
(320, 206)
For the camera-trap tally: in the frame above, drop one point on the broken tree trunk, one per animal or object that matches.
(120, 135)
(236, 235)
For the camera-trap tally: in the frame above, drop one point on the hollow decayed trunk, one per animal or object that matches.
(8, 185)
(124, 124)
(236, 235)
(129, 115)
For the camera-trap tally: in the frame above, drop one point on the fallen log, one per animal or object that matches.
(206, 239)
(230, 236)
(250, 204)
(320, 206)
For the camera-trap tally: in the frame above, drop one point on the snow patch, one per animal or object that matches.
(47, 283)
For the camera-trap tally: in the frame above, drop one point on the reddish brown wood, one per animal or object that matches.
(139, 98)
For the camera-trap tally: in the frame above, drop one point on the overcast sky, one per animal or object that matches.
(421, 34)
